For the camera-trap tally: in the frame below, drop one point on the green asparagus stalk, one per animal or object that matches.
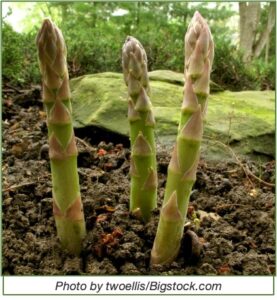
(199, 52)
(67, 205)
(143, 169)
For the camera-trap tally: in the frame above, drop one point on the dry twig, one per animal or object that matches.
(244, 168)
(15, 187)
(85, 144)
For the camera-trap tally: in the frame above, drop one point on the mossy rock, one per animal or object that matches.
(233, 117)
(177, 78)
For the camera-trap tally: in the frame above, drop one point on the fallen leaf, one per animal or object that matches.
(101, 218)
(101, 152)
(224, 269)
(117, 232)
(105, 208)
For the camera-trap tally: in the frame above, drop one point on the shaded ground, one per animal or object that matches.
(236, 212)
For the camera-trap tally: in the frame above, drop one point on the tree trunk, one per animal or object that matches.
(185, 13)
(249, 17)
(265, 35)
(93, 14)
(64, 10)
(138, 13)
(267, 51)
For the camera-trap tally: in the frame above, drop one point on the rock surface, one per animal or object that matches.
(244, 120)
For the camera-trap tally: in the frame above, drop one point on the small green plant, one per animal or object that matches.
(143, 157)
(67, 205)
(18, 60)
(199, 53)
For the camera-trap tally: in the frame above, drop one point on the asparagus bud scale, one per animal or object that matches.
(140, 115)
(67, 205)
(199, 52)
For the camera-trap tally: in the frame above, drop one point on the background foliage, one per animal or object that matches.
(95, 32)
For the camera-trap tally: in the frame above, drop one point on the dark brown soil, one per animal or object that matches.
(236, 212)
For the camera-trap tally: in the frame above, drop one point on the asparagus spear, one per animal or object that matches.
(67, 205)
(199, 52)
(143, 157)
